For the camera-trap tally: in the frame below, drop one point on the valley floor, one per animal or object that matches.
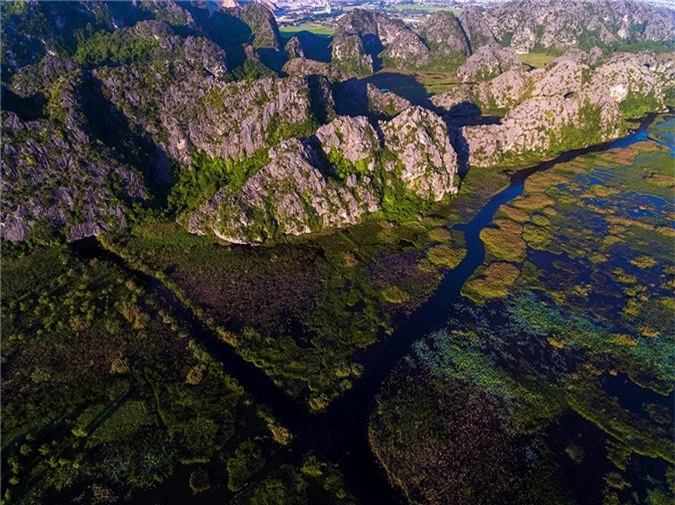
(514, 346)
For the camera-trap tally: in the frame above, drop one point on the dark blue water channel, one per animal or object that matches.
(341, 433)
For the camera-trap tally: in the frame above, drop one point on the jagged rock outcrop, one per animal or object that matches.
(350, 54)
(352, 138)
(505, 90)
(424, 156)
(286, 155)
(294, 47)
(571, 106)
(299, 67)
(183, 103)
(544, 126)
(384, 104)
(489, 61)
(526, 24)
(41, 76)
(476, 27)
(637, 82)
(664, 67)
(55, 176)
(289, 196)
(31, 32)
(566, 75)
(263, 26)
(364, 39)
(470, 99)
(443, 34)
(335, 178)
(640, 80)
(266, 37)
(355, 97)
(452, 100)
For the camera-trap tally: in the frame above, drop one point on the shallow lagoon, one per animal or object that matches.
(563, 340)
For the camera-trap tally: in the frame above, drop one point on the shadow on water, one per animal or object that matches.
(402, 84)
(341, 433)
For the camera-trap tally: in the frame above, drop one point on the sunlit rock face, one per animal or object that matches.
(334, 178)
(524, 25)
(363, 38)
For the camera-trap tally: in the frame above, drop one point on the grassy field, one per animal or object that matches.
(415, 86)
(537, 60)
(427, 8)
(318, 29)
(437, 82)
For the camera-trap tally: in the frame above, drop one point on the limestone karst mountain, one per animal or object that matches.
(525, 25)
(173, 105)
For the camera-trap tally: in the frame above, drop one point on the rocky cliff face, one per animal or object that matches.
(335, 178)
(528, 24)
(364, 39)
(30, 33)
(637, 82)
(489, 61)
(566, 75)
(425, 160)
(289, 196)
(171, 93)
(570, 105)
(263, 26)
(544, 126)
(351, 55)
(308, 45)
(445, 37)
(367, 40)
(444, 34)
(258, 156)
(304, 67)
(55, 176)
(184, 102)
(476, 28)
(266, 38)
(358, 98)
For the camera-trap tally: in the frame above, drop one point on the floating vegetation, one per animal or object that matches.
(504, 240)
(494, 282)
(445, 255)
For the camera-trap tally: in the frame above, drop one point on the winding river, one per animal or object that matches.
(341, 433)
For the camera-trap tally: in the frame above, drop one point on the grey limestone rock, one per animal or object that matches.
(363, 38)
(300, 191)
(476, 27)
(489, 61)
(444, 34)
(425, 157)
(564, 24)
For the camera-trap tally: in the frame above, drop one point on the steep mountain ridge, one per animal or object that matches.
(171, 105)
(565, 24)
(345, 171)
(367, 40)
(364, 40)
(566, 106)
(57, 178)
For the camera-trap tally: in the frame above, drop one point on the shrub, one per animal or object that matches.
(247, 460)
(199, 481)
